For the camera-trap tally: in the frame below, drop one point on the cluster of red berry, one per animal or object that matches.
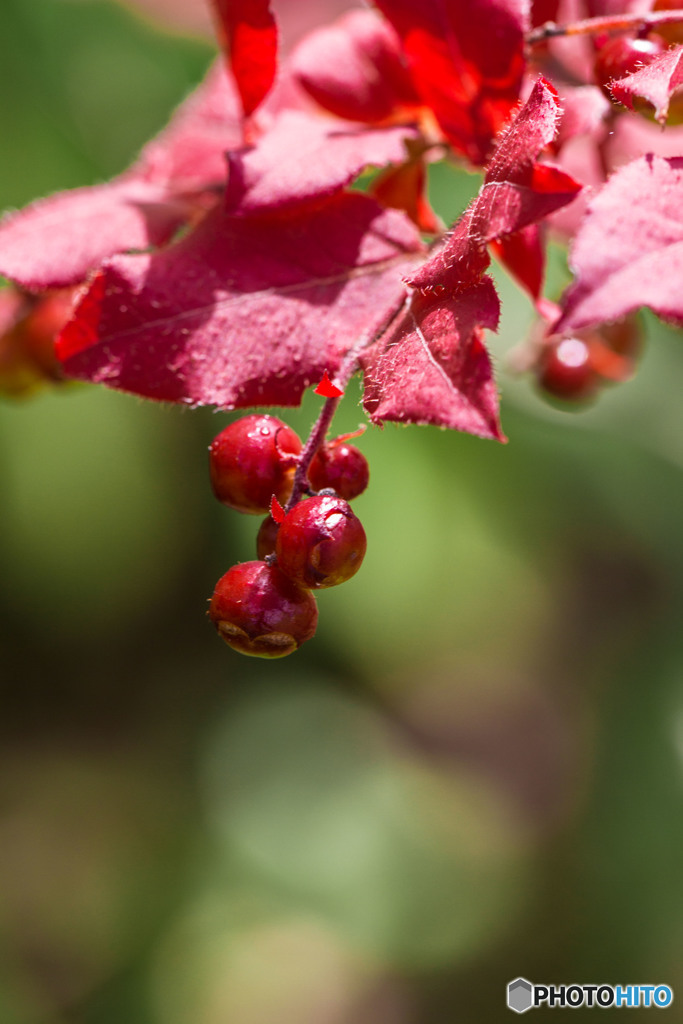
(266, 607)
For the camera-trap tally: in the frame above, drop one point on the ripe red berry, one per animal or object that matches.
(565, 369)
(259, 611)
(341, 466)
(266, 537)
(251, 460)
(321, 542)
(621, 55)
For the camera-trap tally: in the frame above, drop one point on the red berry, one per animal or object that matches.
(341, 466)
(621, 55)
(251, 460)
(565, 369)
(266, 537)
(615, 349)
(321, 542)
(259, 611)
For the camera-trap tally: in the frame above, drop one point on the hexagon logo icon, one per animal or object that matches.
(520, 995)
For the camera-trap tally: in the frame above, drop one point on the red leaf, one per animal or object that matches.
(656, 82)
(507, 206)
(523, 254)
(248, 33)
(355, 68)
(516, 192)
(327, 389)
(532, 129)
(244, 311)
(629, 250)
(57, 241)
(460, 262)
(467, 62)
(276, 510)
(432, 365)
(306, 159)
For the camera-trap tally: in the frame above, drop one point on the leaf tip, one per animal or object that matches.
(547, 84)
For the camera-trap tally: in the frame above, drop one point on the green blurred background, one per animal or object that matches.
(473, 772)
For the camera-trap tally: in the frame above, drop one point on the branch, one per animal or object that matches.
(322, 424)
(595, 26)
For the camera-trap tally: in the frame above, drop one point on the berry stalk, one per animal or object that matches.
(321, 426)
(315, 439)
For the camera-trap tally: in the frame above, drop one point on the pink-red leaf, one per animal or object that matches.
(467, 62)
(432, 365)
(517, 191)
(629, 250)
(523, 254)
(305, 159)
(507, 206)
(656, 82)
(57, 241)
(248, 32)
(531, 130)
(355, 68)
(460, 262)
(244, 311)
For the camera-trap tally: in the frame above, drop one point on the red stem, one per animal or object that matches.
(315, 439)
(595, 26)
(346, 371)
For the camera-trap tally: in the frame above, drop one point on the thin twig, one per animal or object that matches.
(595, 26)
(315, 439)
(348, 367)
